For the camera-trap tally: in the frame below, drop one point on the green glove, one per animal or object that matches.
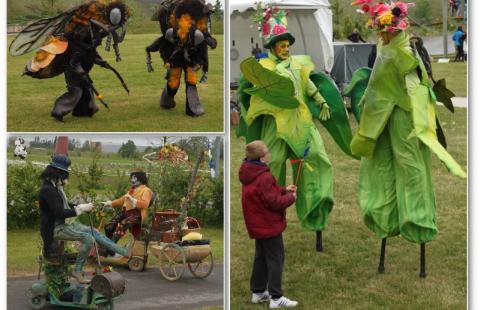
(325, 112)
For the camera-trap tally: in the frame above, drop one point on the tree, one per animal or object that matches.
(422, 12)
(218, 13)
(128, 150)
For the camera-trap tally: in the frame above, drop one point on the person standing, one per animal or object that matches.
(396, 133)
(458, 38)
(355, 36)
(264, 205)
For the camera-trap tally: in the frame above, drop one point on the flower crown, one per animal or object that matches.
(271, 21)
(383, 16)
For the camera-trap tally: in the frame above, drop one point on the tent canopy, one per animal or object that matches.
(243, 5)
(309, 21)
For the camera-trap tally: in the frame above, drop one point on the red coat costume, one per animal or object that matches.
(263, 201)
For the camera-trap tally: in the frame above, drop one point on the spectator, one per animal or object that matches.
(457, 38)
(355, 36)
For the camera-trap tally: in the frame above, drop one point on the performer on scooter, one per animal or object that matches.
(55, 209)
(134, 206)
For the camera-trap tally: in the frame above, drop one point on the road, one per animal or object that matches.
(434, 45)
(145, 290)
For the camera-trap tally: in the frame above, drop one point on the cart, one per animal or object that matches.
(174, 255)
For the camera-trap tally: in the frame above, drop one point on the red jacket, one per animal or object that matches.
(263, 201)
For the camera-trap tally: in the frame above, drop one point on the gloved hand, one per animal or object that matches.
(325, 112)
(132, 200)
(107, 204)
(86, 207)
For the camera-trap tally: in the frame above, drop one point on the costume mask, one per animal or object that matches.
(282, 49)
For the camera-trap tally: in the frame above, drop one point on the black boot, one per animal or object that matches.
(167, 99)
(381, 264)
(193, 106)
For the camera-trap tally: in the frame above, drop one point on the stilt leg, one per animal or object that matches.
(423, 272)
(381, 264)
(319, 241)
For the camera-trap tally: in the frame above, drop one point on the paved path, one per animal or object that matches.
(145, 291)
(459, 102)
(434, 45)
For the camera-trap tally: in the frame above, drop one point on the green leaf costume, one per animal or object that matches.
(278, 102)
(396, 133)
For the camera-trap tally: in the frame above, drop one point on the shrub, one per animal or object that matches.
(23, 184)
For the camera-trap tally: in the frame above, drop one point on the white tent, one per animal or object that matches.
(310, 21)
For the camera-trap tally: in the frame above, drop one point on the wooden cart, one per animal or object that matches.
(173, 255)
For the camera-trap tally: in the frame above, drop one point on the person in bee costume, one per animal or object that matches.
(67, 44)
(183, 48)
(281, 96)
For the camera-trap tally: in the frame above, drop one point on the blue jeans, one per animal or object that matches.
(82, 233)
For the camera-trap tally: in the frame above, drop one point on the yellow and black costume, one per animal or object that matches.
(183, 47)
(67, 44)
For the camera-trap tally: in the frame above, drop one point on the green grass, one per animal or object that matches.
(23, 248)
(345, 275)
(30, 101)
(455, 73)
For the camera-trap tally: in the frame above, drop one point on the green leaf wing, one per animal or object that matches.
(268, 85)
(356, 88)
(338, 124)
(443, 94)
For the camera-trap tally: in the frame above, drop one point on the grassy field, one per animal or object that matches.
(30, 101)
(345, 275)
(22, 256)
(455, 73)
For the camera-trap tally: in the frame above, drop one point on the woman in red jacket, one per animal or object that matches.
(264, 206)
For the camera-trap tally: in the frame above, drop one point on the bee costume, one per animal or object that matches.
(183, 47)
(67, 44)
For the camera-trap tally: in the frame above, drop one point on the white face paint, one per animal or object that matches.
(134, 180)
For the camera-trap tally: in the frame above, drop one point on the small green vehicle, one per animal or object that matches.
(56, 289)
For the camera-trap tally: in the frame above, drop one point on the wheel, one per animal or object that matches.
(136, 264)
(106, 306)
(38, 302)
(171, 262)
(202, 268)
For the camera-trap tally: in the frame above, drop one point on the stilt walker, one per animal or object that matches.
(397, 130)
(280, 97)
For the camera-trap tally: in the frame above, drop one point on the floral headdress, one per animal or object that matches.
(272, 24)
(383, 16)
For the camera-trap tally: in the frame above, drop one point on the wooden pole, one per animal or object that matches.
(445, 28)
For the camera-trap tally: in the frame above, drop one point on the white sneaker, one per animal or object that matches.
(282, 302)
(260, 297)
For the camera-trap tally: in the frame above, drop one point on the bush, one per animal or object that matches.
(23, 184)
